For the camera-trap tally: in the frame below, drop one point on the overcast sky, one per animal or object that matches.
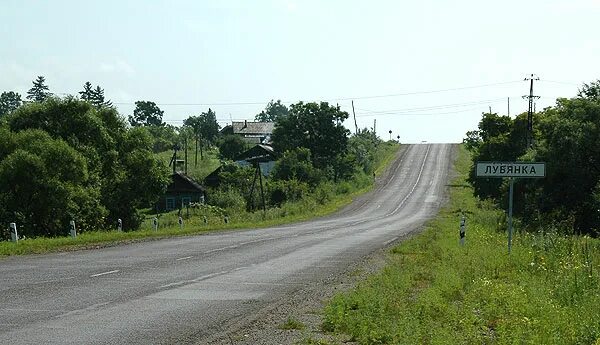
(424, 69)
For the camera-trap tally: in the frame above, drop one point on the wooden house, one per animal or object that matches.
(182, 191)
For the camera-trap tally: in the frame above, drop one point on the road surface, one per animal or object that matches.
(186, 290)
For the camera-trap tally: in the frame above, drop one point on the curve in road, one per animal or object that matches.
(183, 290)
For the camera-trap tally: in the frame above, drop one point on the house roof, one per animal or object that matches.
(249, 127)
(183, 183)
(260, 152)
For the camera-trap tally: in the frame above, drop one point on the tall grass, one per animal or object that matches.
(433, 291)
(325, 200)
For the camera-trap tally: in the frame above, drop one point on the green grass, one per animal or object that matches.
(302, 210)
(434, 291)
(291, 323)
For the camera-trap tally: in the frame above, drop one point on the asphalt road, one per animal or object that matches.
(185, 290)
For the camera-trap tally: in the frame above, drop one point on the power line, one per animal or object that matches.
(332, 99)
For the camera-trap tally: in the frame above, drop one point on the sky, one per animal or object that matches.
(425, 70)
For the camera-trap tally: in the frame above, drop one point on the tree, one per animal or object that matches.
(590, 91)
(117, 157)
(99, 100)
(272, 112)
(94, 96)
(9, 102)
(315, 126)
(39, 92)
(87, 94)
(205, 128)
(44, 184)
(362, 147)
(146, 113)
(231, 146)
(297, 165)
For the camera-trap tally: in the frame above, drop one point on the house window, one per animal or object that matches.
(186, 200)
(170, 204)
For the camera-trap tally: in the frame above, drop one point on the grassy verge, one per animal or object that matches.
(434, 291)
(194, 222)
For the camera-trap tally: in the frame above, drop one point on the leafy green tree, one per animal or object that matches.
(116, 156)
(39, 92)
(272, 112)
(9, 102)
(590, 91)
(296, 164)
(45, 183)
(315, 126)
(163, 137)
(570, 146)
(205, 129)
(146, 113)
(362, 148)
(230, 146)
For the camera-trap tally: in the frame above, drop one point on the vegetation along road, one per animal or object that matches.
(189, 290)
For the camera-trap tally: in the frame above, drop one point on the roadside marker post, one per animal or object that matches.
(14, 236)
(155, 223)
(511, 170)
(180, 223)
(73, 229)
(119, 224)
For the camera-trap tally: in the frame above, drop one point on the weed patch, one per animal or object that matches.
(433, 291)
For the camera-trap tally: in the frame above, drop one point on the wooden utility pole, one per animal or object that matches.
(186, 157)
(508, 99)
(353, 113)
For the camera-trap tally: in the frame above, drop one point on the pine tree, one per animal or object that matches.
(39, 92)
(98, 99)
(88, 92)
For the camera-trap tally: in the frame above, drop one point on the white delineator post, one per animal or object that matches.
(155, 223)
(73, 229)
(119, 224)
(180, 223)
(14, 236)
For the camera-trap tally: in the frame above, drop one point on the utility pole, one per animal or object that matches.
(530, 110)
(353, 113)
(490, 107)
(508, 106)
(375, 126)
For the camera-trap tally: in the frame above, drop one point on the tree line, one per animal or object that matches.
(76, 158)
(566, 137)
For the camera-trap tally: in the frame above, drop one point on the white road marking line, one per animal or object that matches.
(103, 273)
(185, 258)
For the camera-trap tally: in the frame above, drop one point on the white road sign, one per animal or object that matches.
(511, 169)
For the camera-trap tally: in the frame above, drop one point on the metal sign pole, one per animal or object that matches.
(510, 211)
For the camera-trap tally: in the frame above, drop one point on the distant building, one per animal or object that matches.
(261, 154)
(182, 191)
(252, 132)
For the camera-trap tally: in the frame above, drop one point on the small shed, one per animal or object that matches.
(182, 191)
(261, 154)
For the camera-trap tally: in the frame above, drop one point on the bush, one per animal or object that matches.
(283, 191)
(227, 199)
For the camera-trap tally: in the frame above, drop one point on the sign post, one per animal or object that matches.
(512, 170)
